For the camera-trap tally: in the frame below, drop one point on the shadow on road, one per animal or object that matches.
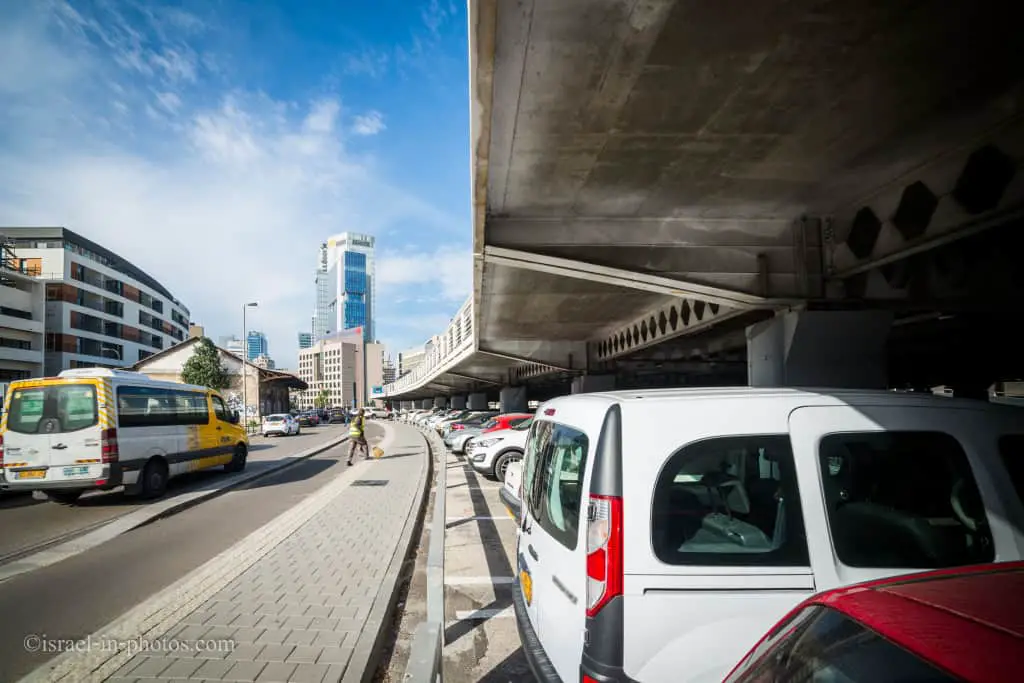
(303, 470)
(512, 669)
(494, 551)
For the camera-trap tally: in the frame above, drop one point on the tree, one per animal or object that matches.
(322, 399)
(204, 367)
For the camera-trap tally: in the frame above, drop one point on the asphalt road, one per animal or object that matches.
(30, 522)
(77, 597)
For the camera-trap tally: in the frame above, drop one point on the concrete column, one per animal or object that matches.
(459, 402)
(586, 384)
(513, 399)
(840, 349)
(440, 401)
(477, 402)
(426, 404)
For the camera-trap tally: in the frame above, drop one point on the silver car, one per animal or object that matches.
(457, 439)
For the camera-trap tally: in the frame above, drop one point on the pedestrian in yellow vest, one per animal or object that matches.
(357, 436)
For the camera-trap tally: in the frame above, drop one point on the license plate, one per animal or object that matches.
(526, 581)
(76, 471)
(30, 474)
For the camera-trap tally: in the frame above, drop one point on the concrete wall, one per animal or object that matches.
(27, 295)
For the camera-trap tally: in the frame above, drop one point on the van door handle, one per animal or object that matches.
(59, 447)
(533, 553)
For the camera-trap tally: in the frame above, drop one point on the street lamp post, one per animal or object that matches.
(109, 349)
(245, 354)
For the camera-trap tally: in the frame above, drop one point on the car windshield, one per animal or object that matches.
(490, 424)
(524, 425)
(54, 409)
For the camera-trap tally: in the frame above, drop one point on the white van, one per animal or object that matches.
(94, 428)
(663, 532)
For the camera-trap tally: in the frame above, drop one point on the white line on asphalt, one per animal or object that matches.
(477, 580)
(469, 615)
(470, 519)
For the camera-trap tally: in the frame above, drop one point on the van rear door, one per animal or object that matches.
(52, 432)
(904, 488)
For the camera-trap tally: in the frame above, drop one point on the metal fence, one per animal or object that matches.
(441, 351)
(425, 652)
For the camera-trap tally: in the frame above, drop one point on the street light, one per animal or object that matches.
(245, 361)
(111, 349)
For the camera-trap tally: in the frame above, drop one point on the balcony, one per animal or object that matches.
(19, 323)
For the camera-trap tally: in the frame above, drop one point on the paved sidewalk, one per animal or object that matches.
(302, 599)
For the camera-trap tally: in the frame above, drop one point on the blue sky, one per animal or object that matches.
(216, 143)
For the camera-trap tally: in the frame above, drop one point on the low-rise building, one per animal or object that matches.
(266, 390)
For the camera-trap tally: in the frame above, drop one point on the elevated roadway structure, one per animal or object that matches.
(798, 192)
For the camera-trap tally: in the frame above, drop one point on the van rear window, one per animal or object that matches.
(54, 409)
(730, 501)
(904, 500)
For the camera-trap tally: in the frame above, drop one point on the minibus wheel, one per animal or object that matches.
(154, 478)
(237, 463)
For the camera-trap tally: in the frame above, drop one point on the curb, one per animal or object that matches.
(368, 653)
(64, 547)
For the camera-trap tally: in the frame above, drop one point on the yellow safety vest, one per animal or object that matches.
(355, 428)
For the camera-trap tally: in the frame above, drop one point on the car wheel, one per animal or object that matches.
(502, 463)
(237, 463)
(154, 479)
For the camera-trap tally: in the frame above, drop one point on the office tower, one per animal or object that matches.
(305, 340)
(326, 294)
(351, 267)
(256, 345)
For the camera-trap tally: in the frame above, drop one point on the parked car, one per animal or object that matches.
(954, 625)
(511, 489)
(490, 454)
(280, 424)
(739, 504)
(308, 419)
(472, 420)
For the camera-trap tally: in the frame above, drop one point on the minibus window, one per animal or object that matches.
(63, 407)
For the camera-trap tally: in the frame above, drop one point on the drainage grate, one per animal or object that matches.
(370, 482)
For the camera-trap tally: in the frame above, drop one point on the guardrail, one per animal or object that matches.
(441, 350)
(427, 647)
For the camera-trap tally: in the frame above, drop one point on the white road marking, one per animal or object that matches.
(470, 519)
(477, 580)
(468, 615)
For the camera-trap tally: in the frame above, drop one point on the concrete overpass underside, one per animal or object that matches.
(650, 177)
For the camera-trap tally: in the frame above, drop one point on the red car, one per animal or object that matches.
(962, 624)
(506, 421)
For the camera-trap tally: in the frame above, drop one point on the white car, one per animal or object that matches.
(491, 453)
(280, 424)
(511, 493)
(675, 527)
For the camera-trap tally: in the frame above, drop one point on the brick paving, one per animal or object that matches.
(299, 611)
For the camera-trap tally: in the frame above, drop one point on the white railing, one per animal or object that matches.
(451, 346)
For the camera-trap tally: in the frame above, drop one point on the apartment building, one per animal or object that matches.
(343, 365)
(100, 309)
(22, 319)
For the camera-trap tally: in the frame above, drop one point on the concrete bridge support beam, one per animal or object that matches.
(513, 399)
(477, 401)
(840, 349)
(459, 402)
(440, 401)
(587, 384)
(426, 404)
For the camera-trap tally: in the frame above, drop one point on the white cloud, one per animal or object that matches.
(370, 123)
(222, 200)
(448, 268)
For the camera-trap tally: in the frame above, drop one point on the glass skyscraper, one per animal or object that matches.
(256, 345)
(346, 291)
(305, 340)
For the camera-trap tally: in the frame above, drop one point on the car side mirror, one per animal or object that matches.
(234, 417)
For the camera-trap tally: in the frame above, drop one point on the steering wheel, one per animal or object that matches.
(958, 507)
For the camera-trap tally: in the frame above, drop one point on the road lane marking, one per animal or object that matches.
(478, 580)
(470, 519)
(475, 614)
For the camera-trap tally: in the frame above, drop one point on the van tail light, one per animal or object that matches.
(108, 445)
(588, 679)
(604, 552)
